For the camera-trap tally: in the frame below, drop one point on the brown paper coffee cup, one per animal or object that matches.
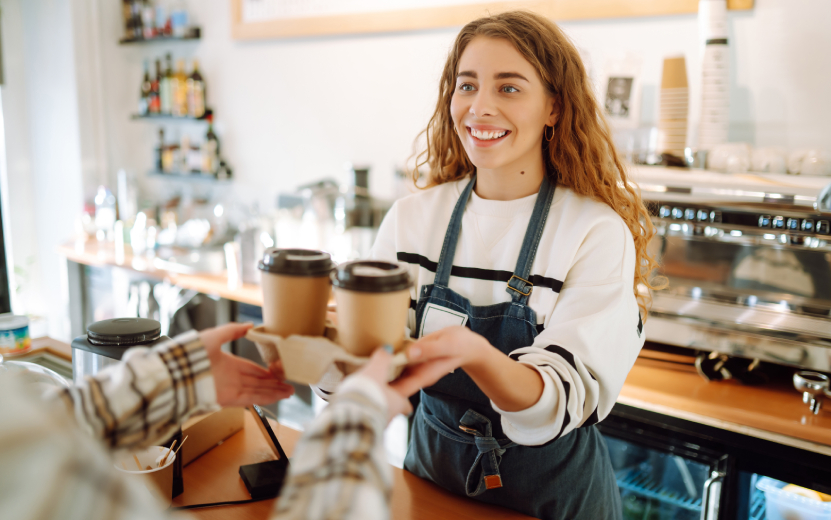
(373, 300)
(295, 304)
(296, 291)
(367, 320)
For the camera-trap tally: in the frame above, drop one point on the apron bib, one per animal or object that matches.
(457, 439)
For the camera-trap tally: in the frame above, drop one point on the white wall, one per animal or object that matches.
(42, 144)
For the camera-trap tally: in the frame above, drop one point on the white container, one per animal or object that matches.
(783, 505)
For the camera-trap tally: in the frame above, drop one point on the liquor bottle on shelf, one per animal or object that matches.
(196, 92)
(166, 87)
(155, 104)
(148, 22)
(127, 15)
(210, 150)
(144, 100)
(180, 96)
(160, 152)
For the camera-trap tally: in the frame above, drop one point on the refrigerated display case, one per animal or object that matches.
(669, 468)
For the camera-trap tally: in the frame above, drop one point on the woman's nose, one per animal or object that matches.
(483, 104)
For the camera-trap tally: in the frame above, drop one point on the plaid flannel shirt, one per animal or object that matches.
(53, 464)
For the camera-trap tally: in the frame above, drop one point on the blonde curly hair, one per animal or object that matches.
(581, 154)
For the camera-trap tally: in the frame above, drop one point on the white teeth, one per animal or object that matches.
(487, 136)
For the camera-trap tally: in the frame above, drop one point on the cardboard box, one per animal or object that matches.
(207, 430)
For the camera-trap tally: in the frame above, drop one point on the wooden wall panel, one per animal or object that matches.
(456, 15)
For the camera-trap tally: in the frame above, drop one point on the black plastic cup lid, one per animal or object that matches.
(124, 332)
(371, 276)
(296, 262)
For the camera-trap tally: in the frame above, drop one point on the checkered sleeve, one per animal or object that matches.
(339, 467)
(143, 399)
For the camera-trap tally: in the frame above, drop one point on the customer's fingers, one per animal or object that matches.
(378, 366)
(225, 333)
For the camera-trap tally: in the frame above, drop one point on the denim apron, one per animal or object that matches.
(457, 440)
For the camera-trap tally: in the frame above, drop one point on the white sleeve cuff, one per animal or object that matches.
(532, 425)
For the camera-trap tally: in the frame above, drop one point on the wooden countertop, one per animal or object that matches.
(773, 412)
(95, 253)
(214, 477)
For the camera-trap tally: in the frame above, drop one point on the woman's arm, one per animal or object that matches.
(454, 347)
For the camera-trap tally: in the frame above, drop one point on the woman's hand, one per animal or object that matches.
(240, 382)
(435, 355)
(512, 386)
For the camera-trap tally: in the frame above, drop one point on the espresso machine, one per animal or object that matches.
(748, 260)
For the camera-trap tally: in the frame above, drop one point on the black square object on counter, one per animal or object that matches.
(265, 479)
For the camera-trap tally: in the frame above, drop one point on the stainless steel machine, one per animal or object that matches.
(748, 259)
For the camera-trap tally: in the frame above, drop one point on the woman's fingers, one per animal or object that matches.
(418, 376)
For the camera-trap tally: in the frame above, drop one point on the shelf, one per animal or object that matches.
(635, 480)
(194, 33)
(188, 177)
(168, 117)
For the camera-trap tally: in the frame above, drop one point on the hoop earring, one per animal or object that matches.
(545, 132)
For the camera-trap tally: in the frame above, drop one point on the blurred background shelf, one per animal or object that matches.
(195, 33)
(169, 117)
(188, 177)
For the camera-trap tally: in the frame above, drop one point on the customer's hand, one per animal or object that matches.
(240, 382)
(377, 370)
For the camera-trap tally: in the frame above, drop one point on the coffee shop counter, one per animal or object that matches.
(771, 412)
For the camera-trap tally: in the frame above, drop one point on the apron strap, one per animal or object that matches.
(484, 472)
(451, 237)
(519, 285)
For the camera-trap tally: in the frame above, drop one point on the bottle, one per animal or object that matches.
(155, 104)
(180, 94)
(144, 100)
(148, 22)
(127, 15)
(165, 87)
(160, 152)
(210, 150)
(196, 93)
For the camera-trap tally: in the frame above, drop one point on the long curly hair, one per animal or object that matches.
(581, 154)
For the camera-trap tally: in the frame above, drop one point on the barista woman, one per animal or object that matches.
(527, 252)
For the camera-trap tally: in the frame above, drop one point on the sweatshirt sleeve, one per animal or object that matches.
(590, 341)
(147, 396)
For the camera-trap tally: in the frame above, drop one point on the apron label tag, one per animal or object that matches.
(437, 317)
(493, 481)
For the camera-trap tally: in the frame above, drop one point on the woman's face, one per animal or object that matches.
(500, 106)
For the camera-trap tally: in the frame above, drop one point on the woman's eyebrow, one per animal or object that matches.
(508, 75)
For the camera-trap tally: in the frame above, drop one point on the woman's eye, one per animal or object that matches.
(509, 89)
(467, 87)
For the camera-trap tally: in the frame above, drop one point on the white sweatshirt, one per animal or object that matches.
(583, 297)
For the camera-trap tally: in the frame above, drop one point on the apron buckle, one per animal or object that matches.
(493, 481)
(469, 430)
(530, 285)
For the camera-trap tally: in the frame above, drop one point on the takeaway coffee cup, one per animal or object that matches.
(296, 291)
(157, 481)
(373, 298)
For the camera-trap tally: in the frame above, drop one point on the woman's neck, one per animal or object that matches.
(510, 182)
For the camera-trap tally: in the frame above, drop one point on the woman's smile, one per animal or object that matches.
(486, 135)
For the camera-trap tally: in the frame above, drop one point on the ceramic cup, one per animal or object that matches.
(373, 300)
(156, 483)
(296, 290)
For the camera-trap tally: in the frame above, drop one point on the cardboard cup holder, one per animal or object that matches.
(307, 358)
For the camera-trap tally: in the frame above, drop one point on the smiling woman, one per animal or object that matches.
(531, 289)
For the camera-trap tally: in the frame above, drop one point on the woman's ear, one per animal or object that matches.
(554, 114)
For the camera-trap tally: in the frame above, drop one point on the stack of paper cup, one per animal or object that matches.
(715, 81)
(675, 105)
